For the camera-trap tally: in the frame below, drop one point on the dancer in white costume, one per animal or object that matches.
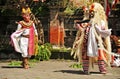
(93, 39)
(25, 37)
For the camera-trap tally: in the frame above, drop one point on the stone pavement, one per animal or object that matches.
(54, 69)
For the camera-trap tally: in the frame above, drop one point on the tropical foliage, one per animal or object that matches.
(44, 52)
(76, 65)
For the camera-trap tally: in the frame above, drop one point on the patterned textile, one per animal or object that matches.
(84, 48)
(86, 66)
(101, 65)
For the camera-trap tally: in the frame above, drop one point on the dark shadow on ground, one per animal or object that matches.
(11, 67)
(71, 71)
(95, 73)
(80, 72)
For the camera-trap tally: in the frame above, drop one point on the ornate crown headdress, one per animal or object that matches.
(26, 10)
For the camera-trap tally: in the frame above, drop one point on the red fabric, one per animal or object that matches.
(31, 42)
(62, 36)
(114, 4)
(100, 54)
(107, 8)
(55, 35)
(112, 59)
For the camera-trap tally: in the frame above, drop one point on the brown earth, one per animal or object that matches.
(54, 69)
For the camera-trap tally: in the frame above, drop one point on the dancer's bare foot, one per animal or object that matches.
(26, 66)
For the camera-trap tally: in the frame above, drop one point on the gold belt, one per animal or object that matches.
(26, 36)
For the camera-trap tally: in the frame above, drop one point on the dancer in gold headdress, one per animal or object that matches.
(25, 37)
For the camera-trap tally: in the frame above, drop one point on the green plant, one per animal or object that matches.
(40, 9)
(44, 52)
(18, 63)
(15, 63)
(76, 65)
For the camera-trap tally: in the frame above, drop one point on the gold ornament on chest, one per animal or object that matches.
(26, 24)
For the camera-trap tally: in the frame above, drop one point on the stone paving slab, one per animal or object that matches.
(54, 69)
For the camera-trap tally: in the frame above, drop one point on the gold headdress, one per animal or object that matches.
(26, 10)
